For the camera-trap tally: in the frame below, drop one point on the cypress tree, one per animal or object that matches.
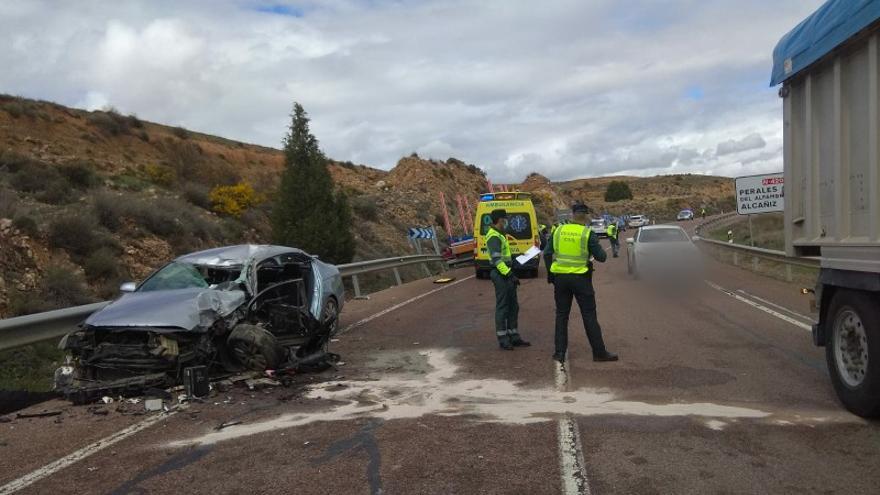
(308, 214)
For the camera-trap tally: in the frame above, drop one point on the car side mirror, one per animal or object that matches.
(127, 287)
(630, 240)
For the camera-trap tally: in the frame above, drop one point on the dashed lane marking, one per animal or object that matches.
(571, 453)
(54, 467)
(398, 306)
(774, 305)
(763, 308)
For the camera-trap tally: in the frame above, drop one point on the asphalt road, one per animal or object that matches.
(715, 392)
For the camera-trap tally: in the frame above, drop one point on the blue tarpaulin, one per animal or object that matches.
(832, 24)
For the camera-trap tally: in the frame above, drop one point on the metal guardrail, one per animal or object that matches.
(24, 330)
(755, 253)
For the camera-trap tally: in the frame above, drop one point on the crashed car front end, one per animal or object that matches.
(146, 340)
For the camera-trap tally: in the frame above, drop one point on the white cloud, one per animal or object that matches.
(569, 89)
(750, 142)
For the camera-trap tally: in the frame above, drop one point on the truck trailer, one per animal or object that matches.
(828, 72)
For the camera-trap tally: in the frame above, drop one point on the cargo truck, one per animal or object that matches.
(828, 69)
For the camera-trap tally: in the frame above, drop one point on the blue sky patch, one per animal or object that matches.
(694, 93)
(280, 9)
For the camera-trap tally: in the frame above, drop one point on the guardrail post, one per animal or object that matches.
(788, 277)
(357, 287)
(754, 263)
(427, 270)
(397, 277)
(735, 259)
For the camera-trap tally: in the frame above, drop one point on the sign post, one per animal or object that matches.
(759, 194)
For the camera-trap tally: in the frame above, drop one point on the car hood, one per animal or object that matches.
(187, 309)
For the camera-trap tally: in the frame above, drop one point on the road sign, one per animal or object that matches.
(760, 194)
(421, 233)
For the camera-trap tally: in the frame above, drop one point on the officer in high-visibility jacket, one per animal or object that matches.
(505, 282)
(611, 231)
(571, 273)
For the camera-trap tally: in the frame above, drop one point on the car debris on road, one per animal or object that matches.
(247, 307)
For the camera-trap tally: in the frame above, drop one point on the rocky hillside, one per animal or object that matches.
(88, 199)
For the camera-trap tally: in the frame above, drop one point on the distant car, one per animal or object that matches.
(685, 215)
(662, 250)
(597, 225)
(636, 221)
(254, 307)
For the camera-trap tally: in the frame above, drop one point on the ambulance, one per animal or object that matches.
(522, 230)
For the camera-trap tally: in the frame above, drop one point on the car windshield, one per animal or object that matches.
(636, 217)
(597, 223)
(179, 275)
(662, 235)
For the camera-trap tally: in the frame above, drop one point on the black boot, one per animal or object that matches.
(605, 356)
(504, 343)
(517, 341)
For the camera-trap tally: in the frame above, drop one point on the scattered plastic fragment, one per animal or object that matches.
(226, 425)
(107, 399)
(151, 405)
(43, 414)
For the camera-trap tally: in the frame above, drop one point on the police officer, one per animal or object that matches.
(505, 282)
(571, 273)
(611, 231)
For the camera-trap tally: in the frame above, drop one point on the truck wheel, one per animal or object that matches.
(853, 350)
(480, 273)
(255, 348)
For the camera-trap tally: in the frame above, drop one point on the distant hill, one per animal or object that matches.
(88, 199)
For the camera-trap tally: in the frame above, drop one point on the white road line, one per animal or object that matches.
(763, 308)
(571, 453)
(774, 305)
(399, 305)
(54, 467)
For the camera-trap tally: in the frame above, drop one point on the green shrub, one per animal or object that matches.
(12, 161)
(617, 190)
(180, 132)
(103, 265)
(27, 224)
(197, 194)
(110, 122)
(60, 287)
(77, 234)
(20, 107)
(8, 202)
(80, 174)
(134, 122)
(32, 177)
(366, 207)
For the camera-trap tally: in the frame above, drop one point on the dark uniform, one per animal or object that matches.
(505, 282)
(571, 273)
(612, 232)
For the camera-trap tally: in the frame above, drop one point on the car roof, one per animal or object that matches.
(236, 255)
(660, 227)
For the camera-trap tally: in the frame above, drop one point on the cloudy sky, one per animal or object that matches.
(567, 88)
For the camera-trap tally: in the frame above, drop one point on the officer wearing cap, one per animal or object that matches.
(505, 282)
(571, 273)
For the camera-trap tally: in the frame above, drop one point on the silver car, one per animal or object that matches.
(241, 307)
(663, 251)
(597, 225)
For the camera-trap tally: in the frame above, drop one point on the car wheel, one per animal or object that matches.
(255, 348)
(330, 315)
(853, 350)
